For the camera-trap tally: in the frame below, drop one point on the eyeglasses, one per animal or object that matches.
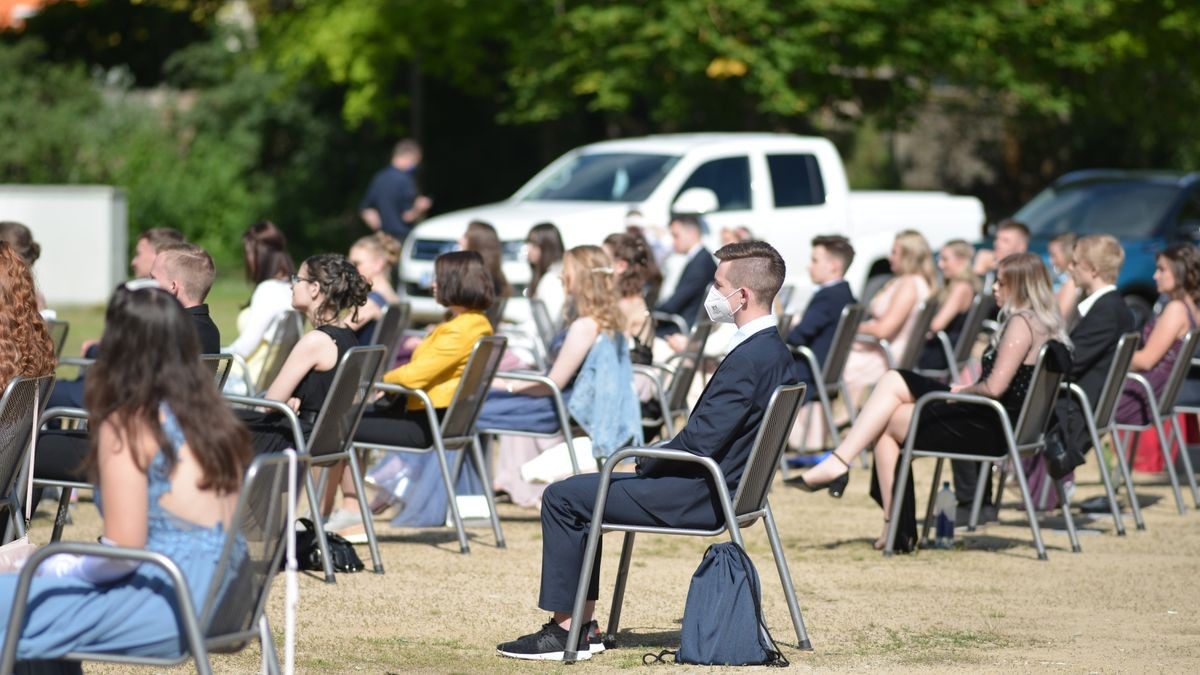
(296, 278)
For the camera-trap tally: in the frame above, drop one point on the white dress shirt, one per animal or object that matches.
(761, 323)
(1086, 304)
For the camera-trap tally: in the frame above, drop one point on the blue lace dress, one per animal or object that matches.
(135, 615)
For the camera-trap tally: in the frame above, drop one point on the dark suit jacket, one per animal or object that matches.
(731, 409)
(1095, 339)
(819, 323)
(693, 285)
(206, 330)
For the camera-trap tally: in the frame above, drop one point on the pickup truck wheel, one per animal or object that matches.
(1141, 308)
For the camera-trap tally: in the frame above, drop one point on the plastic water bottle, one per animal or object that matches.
(943, 512)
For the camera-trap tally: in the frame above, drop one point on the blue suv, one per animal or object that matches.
(1144, 210)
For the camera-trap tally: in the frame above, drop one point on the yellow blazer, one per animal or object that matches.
(437, 363)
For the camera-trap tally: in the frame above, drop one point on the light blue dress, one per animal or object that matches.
(135, 615)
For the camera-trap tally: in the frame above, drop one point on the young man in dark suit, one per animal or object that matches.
(831, 256)
(723, 426)
(697, 273)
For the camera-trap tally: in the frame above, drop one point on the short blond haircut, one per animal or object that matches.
(1102, 253)
(191, 266)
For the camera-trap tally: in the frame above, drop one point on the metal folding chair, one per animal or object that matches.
(1163, 412)
(220, 365)
(546, 328)
(1102, 421)
(747, 506)
(916, 338)
(784, 324)
(565, 427)
(681, 369)
(288, 327)
(233, 613)
(783, 299)
(674, 319)
(495, 313)
(827, 377)
(332, 435)
(58, 334)
(390, 325)
(20, 405)
(1027, 437)
(456, 431)
(959, 354)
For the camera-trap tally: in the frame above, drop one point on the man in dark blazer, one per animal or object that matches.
(723, 426)
(831, 256)
(696, 276)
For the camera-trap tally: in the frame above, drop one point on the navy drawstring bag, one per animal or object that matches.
(722, 620)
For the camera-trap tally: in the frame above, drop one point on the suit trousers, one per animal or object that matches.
(567, 512)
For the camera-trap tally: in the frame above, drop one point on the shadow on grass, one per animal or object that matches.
(635, 638)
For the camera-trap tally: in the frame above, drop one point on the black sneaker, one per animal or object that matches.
(548, 644)
(595, 639)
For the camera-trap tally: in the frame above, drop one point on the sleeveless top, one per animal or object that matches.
(1014, 397)
(313, 389)
(1159, 373)
(367, 330)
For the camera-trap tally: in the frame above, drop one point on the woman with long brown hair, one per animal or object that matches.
(1030, 318)
(482, 238)
(526, 406)
(167, 456)
(269, 267)
(25, 345)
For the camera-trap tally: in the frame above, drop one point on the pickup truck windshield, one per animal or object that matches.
(612, 177)
(1122, 209)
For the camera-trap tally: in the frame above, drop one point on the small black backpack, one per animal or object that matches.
(722, 620)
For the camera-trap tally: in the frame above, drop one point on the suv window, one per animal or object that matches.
(728, 177)
(796, 180)
(1124, 209)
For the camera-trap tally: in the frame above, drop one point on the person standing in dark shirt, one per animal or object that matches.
(392, 203)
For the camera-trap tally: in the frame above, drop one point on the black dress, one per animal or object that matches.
(933, 355)
(270, 431)
(953, 427)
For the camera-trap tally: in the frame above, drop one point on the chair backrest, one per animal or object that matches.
(1053, 362)
(17, 416)
(220, 365)
(289, 326)
(58, 334)
(916, 339)
(495, 313)
(1179, 372)
(685, 370)
(783, 298)
(541, 319)
(981, 308)
(390, 325)
(1106, 406)
(253, 550)
(473, 387)
(348, 396)
(784, 324)
(768, 446)
(843, 342)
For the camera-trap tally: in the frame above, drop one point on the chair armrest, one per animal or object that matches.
(991, 326)
(1145, 385)
(421, 394)
(881, 343)
(814, 364)
(708, 463)
(529, 377)
(63, 413)
(965, 399)
(665, 317)
(651, 372)
(183, 596)
(76, 361)
(275, 406)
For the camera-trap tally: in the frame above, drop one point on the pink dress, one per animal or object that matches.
(865, 365)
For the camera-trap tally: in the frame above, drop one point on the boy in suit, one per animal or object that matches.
(831, 256)
(689, 292)
(722, 426)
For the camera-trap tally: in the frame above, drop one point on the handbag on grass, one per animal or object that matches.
(16, 552)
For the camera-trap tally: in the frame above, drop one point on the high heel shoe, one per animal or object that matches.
(836, 487)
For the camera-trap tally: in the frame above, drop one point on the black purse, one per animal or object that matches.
(1061, 459)
(308, 552)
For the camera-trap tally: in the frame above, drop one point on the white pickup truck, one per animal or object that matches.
(786, 189)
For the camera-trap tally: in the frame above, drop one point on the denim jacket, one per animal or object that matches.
(603, 400)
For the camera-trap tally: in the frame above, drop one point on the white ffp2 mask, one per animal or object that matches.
(718, 307)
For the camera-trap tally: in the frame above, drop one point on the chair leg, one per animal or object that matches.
(1028, 500)
(928, 524)
(585, 568)
(269, 655)
(981, 485)
(1065, 504)
(365, 509)
(488, 493)
(314, 505)
(1123, 465)
(618, 599)
(1187, 460)
(1164, 444)
(1001, 483)
(1043, 495)
(452, 500)
(785, 577)
(1106, 478)
(60, 517)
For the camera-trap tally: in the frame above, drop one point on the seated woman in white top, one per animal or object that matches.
(270, 268)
